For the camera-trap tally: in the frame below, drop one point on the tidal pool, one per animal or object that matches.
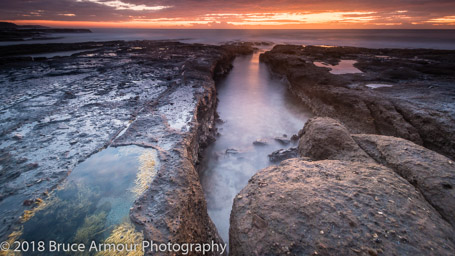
(343, 67)
(93, 203)
(253, 106)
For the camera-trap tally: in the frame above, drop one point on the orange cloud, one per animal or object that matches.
(446, 20)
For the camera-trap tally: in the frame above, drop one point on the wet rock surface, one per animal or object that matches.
(283, 154)
(319, 208)
(335, 207)
(57, 112)
(419, 106)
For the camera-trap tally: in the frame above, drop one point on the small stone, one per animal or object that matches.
(231, 151)
(282, 140)
(239, 197)
(18, 136)
(321, 232)
(260, 142)
(372, 252)
(259, 222)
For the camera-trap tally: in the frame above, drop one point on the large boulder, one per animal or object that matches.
(326, 138)
(335, 207)
(431, 173)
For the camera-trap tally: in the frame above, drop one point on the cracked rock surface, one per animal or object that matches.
(54, 113)
(414, 100)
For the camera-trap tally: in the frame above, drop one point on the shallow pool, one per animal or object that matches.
(94, 201)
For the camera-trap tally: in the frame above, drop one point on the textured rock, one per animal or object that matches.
(147, 93)
(418, 107)
(431, 173)
(335, 207)
(283, 154)
(325, 138)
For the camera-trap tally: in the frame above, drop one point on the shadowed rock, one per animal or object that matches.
(283, 154)
(418, 107)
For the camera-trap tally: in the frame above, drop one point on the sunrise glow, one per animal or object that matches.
(236, 14)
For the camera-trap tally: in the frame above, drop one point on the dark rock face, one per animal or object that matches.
(418, 107)
(431, 173)
(325, 138)
(12, 32)
(283, 154)
(152, 94)
(335, 207)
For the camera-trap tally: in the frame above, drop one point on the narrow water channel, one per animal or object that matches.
(253, 106)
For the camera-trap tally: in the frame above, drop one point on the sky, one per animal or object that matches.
(235, 14)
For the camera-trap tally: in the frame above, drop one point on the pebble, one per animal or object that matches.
(18, 136)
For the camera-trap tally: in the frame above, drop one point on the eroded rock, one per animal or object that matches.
(419, 107)
(335, 207)
(283, 154)
(325, 138)
(431, 173)
(147, 93)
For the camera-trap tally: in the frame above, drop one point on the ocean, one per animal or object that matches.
(370, 38)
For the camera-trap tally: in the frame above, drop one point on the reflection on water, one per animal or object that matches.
(93, 203)
(54, 54)
(343, 67)
(375, 86)
(253, 106)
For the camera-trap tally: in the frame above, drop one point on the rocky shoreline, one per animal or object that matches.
(356, 187)
(57, 112)
(348, 194)
(372, 175)
(12, 32)
(415, 102)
